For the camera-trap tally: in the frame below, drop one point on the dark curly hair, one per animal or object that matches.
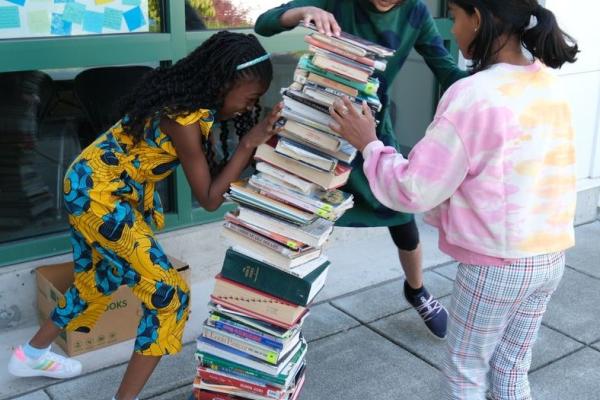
(199, 81)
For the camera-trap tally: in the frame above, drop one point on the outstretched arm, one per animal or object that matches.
(435, 168)
(207, 190)
(288, 16)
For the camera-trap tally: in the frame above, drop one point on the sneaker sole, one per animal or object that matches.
(17, 370)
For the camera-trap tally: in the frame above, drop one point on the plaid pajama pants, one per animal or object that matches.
(494, 317)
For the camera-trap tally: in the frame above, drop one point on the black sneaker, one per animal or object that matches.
(432, 311)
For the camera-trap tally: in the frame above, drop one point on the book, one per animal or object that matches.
(380, 65)
(252, 348)
(299, 271)
(299, 112)
(300, 98)
(250, 384)
(322, 140)
(306, 155)
(339, 67)
(285, 177)
(243, 193)
(263, 326)
(314, 234)
(205, 345)
(211, 376)
(354, 42)
(329, 95)
(369, 87)
(347, 153)
(256, 304)
(283, 240)
(225, 323)
(273, 257)
(304, 76)
(329, 204)
(326, 180)
(250, 272)
(251, 233)
(282, 380)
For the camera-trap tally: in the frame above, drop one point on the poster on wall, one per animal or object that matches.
(38, 18)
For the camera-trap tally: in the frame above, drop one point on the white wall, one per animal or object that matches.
(579, 18)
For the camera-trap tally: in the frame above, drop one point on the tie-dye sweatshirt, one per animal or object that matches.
(496, 167)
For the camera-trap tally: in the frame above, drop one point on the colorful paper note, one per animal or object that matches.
(9, 17)
(93, 21)
(60, 26)
(38, 22)
(113, 18)
(134, 18)
(74, 13)
(17, 2)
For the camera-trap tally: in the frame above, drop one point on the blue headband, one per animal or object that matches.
(253, 62)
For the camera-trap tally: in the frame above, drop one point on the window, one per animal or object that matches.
(21, 19)
(46, 118)
(43, 122)
(225, 14)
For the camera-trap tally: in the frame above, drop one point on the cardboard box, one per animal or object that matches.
(117, 324)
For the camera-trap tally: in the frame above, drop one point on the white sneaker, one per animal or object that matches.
(51, 365)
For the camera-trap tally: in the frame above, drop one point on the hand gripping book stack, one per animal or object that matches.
(251, 345)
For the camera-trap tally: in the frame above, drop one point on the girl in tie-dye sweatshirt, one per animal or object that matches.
(496, 171)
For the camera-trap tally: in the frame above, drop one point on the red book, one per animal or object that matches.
(211, 377)
(206, 395)
(364, 60)
(256, 304)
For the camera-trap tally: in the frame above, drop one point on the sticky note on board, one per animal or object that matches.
(74, 12)
(113, 18)
(9, 17)
(17, 2)
(101, 2)
(93, 21)
(131, 2)
(59, 26)
(134, 18)
(38, 21)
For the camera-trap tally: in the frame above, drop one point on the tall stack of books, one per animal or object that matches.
(251, 346)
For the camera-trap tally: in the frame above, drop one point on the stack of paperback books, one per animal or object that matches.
(251, 346)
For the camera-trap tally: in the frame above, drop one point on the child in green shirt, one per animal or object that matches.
(400, 25)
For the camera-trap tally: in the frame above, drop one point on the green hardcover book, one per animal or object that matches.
(266, 278)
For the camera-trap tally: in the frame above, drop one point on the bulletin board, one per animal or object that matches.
(38, 18)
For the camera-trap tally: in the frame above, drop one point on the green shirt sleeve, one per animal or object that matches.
(430, 46)
(268, 23)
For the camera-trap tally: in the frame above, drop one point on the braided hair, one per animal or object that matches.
(199, 81)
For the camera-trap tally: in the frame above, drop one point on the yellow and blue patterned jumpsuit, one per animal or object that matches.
(110, 197)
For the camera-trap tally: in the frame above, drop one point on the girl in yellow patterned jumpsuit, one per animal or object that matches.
(110, 195)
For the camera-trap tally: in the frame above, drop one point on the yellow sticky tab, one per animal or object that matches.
(292, 245)
(324, 214)
(272, 357)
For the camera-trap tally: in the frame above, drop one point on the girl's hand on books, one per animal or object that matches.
(357, 128)
(323, 20)
(264, 129)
